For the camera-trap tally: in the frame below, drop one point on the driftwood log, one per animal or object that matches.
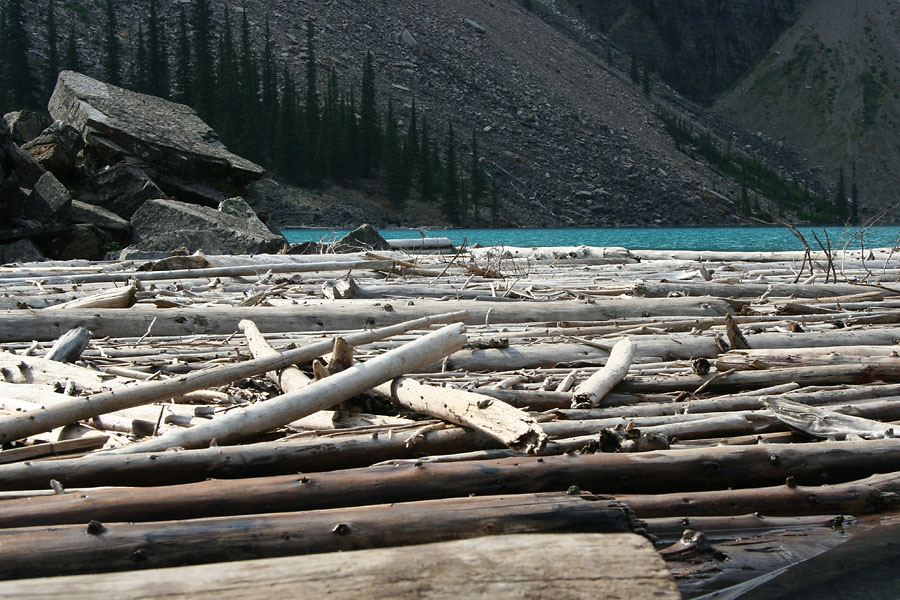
(489, 568)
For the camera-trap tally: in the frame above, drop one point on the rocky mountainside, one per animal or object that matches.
(569, 139)
(699, 47)
(830, 86)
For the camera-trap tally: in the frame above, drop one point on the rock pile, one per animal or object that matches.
(115, 168)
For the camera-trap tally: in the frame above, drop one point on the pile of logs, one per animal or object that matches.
(720, 414)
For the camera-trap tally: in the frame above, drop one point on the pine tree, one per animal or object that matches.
(424, 167)
(411, 146)
(249, 142)
(645, 81)
(72, 58)
(19, 82)
(139, 62)
(184, 89)
(157, 60)
(203, 81)
(368, 123)
(227, 107)
(4, 64)
(854, 198)
(476, 176)
(269, 98)
(111, 49)
(840, 198)
(52, 52)
(451, 181)
(635, 74)
(495, 204)
(395, 180)
(311, 104)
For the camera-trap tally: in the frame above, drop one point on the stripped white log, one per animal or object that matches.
(116, 298)
(69, 346)
(605, 379)
(510, 426)
(13, 427)
(823, 423)
(277, 412)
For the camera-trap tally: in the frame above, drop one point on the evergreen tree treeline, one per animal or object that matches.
(316, 135)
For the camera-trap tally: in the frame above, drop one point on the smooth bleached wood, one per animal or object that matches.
(15, 427)
(322, 394)
(594, 388)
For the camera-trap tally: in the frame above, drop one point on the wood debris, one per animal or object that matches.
(315, 403)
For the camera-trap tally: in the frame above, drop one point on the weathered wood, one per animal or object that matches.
(594, 388)
(751, 290)
(116, 298)
(19, 426)
(822, 423)
(489, 568)
(18, 369)
(319, 395)
(69, 346)
(657, 472)
(510, 426)
(112, 546)
(314, 315)
(874, 494)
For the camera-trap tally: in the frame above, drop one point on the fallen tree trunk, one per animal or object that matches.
(592, 390)
(116, 298)
(19, 426)
(649, 472)
(322, 394)
(27, 325)
(751, 290)
(878, 493)
(510, 426)
(485, 568)
(119, 546)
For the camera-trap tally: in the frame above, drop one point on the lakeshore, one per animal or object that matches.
(703, 396)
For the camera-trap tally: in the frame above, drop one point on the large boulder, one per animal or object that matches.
(164, 225)
(237, 207)
(121, 189)
(50, 201)
(25, 125)
(170, 138)
(20, 251)
(56, 149)
(79, 241)
(365, 237)
(98, 216)
(17, 169)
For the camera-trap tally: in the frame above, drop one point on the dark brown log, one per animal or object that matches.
(657, 472)
(486, 568)
(878, 493)
(95, 546)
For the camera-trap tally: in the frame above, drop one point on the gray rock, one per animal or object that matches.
(25, 125)
(163, 225)
(237, 207)
(364, 237)
(122, 189)
(99, 217)
(80, 241)
(20, 251)
(408, 39)
(478, 28)
(170, 137)
(17, 169)
(50, 201)
(56, 148)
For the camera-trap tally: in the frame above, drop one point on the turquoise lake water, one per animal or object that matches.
(684, 238)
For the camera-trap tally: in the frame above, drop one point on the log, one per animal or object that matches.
(822, 423)
(19, 426)
(693, 469)
(488, 568)
(874, 494)
(752, 290)
(116, 298)
(322, 394)
(510, 426)
(592, 390)
(17, 369)
(315, 315)
(69, 346)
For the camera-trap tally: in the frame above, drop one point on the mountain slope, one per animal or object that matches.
(569, 139)
(829, 86)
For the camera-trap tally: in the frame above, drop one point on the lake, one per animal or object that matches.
(676, 238)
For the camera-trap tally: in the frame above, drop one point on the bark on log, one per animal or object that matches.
(20, 426)
(510, 426)
(874, 494)
(649, 472)
(325, 393)
(592, 390)
(313, 315)
(486, 568)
